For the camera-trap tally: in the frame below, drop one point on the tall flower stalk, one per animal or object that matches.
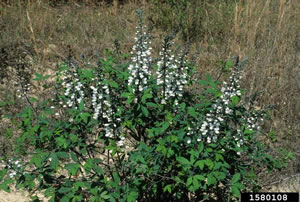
(74, 93)
(171, 72)
(139, 70)
(102, 104)
(213, 120)
(213, 126)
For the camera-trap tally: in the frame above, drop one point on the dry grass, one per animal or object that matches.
(268, 32)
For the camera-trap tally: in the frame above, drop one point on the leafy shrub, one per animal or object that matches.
(127, 131)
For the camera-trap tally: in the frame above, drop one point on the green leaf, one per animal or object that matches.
(183, 160)
(174, 138)
(189, 181)
(73, 168)
(212, 91)
(64, 190)
(61, 141)
(248, 131)
(192, 112)
(145, 111)
(116, 178)
(132, 196)
(200, 147)
(37, 160)
(195, 183)
(161, 148)
(50, 192)
(54, 163)
(240, 186)
(200, 177)
(203, 82)
(209, 163)
(151, 104)
(164, 127)
(2, 104)
(83, 151)
(211, 179)
(169, 117)
(129, 100)
(84, 117)
(81, 106)
(235, 191)
(126, 94)
(33, 99)
(77, 198)
(5, 185)
(62, 155)
(200, 164)
(170, 153)
(209, 78)
(182, 106)
(219, 175)
(40, 77)
(146, 96)
(219, 157)
(77, 185)
(113, 84)
(168, 188)
(3, 172)
(74, 157)
(87, 73)
(228, 65)
(236, 178)
(235, 100)
(104, 195)
(74, 138)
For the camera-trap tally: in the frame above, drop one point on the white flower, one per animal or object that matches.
(120, 143)
(208, 140)
(12, 174)
(220, 119)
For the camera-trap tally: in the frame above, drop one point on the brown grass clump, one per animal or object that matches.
(43, 33)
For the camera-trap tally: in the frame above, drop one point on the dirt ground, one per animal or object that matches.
(13, 197)
(17, 196)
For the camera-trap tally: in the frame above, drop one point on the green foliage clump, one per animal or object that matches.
(132, 131)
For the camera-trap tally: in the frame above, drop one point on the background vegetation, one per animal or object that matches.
(35, 36)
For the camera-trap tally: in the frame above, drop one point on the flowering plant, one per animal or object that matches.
(134, 132)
